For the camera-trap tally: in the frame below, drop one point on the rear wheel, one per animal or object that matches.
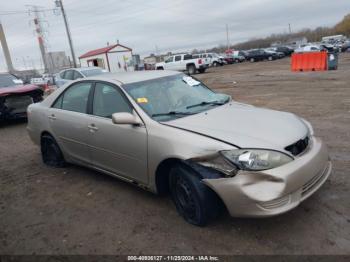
(270, 58)
(191, 69)
(51, 152)
(194, 201)
(215, 64)
(252, 60)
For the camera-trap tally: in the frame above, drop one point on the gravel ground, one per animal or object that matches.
(79, 211)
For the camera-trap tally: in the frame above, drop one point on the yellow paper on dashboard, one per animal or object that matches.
(141, 100)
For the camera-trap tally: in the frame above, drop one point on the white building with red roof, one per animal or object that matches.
(113, 58)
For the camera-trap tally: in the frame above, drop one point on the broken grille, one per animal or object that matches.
(299, 146)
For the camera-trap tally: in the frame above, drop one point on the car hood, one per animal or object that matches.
(246, 126)
(4, 91)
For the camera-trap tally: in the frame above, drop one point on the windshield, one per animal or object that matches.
(92, 72)
(7, 80)
(174, 96)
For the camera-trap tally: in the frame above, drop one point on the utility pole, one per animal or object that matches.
(40, 32)
(290, 29)
(6, 50)
(60, 5)
(227, 39)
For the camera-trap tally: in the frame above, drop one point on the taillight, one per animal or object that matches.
(199, 61)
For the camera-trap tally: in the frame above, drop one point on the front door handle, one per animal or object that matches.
(92, 127)
(52, 117)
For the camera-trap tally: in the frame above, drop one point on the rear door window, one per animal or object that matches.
(74, 98)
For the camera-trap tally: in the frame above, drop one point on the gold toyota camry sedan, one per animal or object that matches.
(167, 132)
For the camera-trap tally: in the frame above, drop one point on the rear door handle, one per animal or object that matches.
(52, 117)
(93, 127)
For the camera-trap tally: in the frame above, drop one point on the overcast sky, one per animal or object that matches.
(167, 24)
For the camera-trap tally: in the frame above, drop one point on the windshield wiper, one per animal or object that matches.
(204, 103)
(171, 113)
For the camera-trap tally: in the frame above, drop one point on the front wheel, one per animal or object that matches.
(215, 64)
(270, 58)
(252, 60)
(194, 201)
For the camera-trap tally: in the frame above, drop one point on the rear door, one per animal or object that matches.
(69, 121)
(120, 149)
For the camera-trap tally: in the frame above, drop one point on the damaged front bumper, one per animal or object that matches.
(275, 191)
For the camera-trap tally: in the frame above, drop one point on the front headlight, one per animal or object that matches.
(256, 159)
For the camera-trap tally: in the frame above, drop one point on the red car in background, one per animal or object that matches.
(15, 97)
(229, 59)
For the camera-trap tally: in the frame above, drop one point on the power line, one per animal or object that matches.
(25, 11)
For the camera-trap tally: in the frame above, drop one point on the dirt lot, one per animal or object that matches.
(78, 211)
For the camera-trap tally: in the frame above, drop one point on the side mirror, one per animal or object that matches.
(125, 118)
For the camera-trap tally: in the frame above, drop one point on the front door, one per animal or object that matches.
(120, 149)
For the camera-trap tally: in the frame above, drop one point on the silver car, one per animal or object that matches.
(167, 132)
(71, 74)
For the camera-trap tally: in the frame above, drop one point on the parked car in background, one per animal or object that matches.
(228, 58)
(238, 56)
(308, 48)
(183, 62)
(15, 97)
(68, 75)
(169, 133)
(274, 53)
(329, 48)
(345, 46)
(260, 55)
(213, 58)
(287, 51)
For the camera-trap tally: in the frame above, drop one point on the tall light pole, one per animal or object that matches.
(6, 50)
(227, 38)
(60, 5)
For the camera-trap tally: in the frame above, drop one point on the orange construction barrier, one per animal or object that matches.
(312, 61)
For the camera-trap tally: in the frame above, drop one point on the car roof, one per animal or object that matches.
(133, 77)
(81, 69)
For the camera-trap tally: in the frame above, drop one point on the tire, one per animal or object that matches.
(160, 68)
(236, 61)
(215, 64)
(252, 60)
(191, 69)
(202, 70)
(194, 201)
(270, 58)
(51, 152)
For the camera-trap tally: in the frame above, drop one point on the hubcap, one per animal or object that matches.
(185, 199)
